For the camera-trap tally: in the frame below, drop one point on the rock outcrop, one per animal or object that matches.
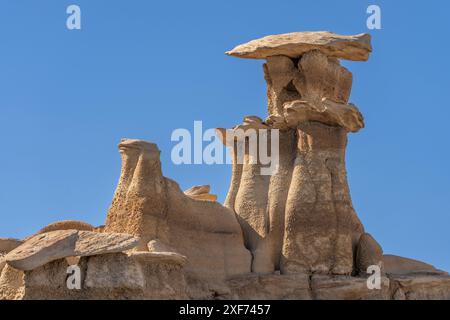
(44, 248)
(301, 219)
(152, 207)
(287, 229)
(201, 193)
(295, 44)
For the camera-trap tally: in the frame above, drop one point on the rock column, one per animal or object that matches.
(301, 219)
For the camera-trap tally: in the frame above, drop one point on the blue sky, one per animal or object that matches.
(141, 69)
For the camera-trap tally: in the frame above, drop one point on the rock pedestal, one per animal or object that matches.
(301, 219)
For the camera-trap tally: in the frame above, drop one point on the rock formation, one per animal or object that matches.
(290, 232)
(301, 219)
(201, 193)
(152, 207)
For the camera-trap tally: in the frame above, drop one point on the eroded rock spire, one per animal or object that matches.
(301, 219)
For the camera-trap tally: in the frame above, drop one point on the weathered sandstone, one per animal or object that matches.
(292, 234)
(9, 244)
(44, 248)
(152, 207)
(296, 44)
(201, 193)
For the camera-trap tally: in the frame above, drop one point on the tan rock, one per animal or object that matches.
(368, 253)
(201, 193)
(11, 284)
(295, 44)
(115, 271)
(400, 265)
(148, 205)
(329, 112)
(67, 225)
(42, 249)
(301, 219)
(93, 243)
(159, 257)
(270, 287)
(321, 227)
(196, 190)
(9, 244)
(347, 288)
(54, 245)
(422, 287)
(72, 261)
(2, 262)
(159, 246)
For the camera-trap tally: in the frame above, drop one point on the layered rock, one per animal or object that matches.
(301, 219)
(44, 248)
(109, 276)
(289, 204)
(295, 44)
(152, 207)
(201, 193)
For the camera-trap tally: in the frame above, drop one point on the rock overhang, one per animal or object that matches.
(295, 44)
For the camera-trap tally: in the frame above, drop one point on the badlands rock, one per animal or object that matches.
(295, 44)
(67, 225)
(11, 283)
(159, 257)
(201, 193)
(347, 288)
(93, 243)
(9, 244)
(109, 276)
(420, 286)
(400, 265)
(54, 245)
(299, 224)
(322, 228)
(148, 205)
(42, 249)
(301, 219)
(368, 253)
(328, 112)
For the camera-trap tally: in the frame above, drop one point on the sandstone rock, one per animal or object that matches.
(159, 246)
(11, 283)
(400, 265)
(347, 288)
(368, 253)
(114, 271)
(150, 206)
(54, 245)
(159, 257)
(67, 225)
(322, 227)
(113, 276)
(201, 193)
(2, 262)
(301, 219)
(73, 261)
(42, 249)
(9, 244)
(92, 243)
(99, 229)
(270, 286)
(295, 44)
(421, 287)
(329, 112)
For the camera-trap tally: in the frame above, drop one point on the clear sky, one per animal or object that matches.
(141, 69)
